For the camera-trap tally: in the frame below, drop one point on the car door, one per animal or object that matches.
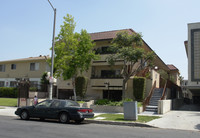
(41, 109)
(54, 109)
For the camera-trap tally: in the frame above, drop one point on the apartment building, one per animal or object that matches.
(192, 46)
(32, 68)
(106, 81)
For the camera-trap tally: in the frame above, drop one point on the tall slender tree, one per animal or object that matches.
(73, 51)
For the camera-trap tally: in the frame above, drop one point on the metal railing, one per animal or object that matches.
(146, 101)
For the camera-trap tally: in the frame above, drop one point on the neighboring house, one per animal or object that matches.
(31, 68)
(106, 81)
(192, 47)
(174, 74)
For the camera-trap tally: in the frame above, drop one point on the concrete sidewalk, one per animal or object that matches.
(184, 120)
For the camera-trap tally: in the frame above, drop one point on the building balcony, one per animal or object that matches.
(103, 61)
(106, 83)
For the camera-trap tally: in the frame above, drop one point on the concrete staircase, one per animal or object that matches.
(153, 103)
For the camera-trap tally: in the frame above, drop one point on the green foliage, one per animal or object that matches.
(73, 51)
(163, 74)
(139, 84)
(33, 89)
(8, 92)
(43, 79)
(102, 102)
(127, 47)
(81, 86)
(112, 103)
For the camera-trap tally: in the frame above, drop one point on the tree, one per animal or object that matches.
(44, 82)
(73, 51)
(127, 47)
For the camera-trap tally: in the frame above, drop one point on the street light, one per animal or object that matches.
(52, 53)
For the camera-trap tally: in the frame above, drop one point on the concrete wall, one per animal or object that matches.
(148, 87)
(164, 106)
(155, 76)
(111, 109)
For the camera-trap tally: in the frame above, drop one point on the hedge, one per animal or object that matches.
(81, 86)
(139, 84)
(7, 92)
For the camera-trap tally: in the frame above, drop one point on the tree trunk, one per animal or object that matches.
(74, 88)
(124, 89)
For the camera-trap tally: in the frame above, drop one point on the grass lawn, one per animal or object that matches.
(120, 117)
(8, 101)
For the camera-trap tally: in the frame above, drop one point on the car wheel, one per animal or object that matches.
(24, 115)
(79, 121)
(42, 119)
(64, 118)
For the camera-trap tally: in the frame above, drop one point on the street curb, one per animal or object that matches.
(133, 124)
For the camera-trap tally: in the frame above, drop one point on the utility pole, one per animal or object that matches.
(52, 54)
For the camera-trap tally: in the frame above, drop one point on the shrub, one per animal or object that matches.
(8, 92)
(112, 103)
(81, 86)
(33, 89)
(139, 84)
(102, 102)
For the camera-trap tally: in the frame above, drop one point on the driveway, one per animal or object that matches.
(186, 118)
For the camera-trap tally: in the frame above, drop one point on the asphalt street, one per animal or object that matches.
(13, 127)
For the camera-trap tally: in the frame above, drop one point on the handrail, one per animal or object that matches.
(146, 101)
(164, 90)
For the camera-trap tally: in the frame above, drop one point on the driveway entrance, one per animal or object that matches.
(186, 118)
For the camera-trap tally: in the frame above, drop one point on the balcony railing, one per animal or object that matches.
(100, 77)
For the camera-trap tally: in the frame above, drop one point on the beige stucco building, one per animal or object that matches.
(32, 68)
(106, 81)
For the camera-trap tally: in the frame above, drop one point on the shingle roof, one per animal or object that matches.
(108, 34)
(172, 67)
(28, 59)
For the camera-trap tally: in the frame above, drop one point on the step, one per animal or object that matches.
(152, 102)
(151, 108)
(155, 97)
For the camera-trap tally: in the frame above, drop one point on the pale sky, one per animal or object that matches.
(26, 26)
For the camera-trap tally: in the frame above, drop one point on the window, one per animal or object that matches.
(71, 103)
(44, 104)
(13, 84)
(110, 74)
(34, 66)
(2, 68)
(104, 50)
(56, 104)
(13, 66)
(195, 54)
(2, 83)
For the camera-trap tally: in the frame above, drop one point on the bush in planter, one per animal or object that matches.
(102, 102)
(81, 86)
(112, 103)
(139, 84)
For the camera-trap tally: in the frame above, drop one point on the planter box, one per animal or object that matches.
(111, 109)
(107, 109)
